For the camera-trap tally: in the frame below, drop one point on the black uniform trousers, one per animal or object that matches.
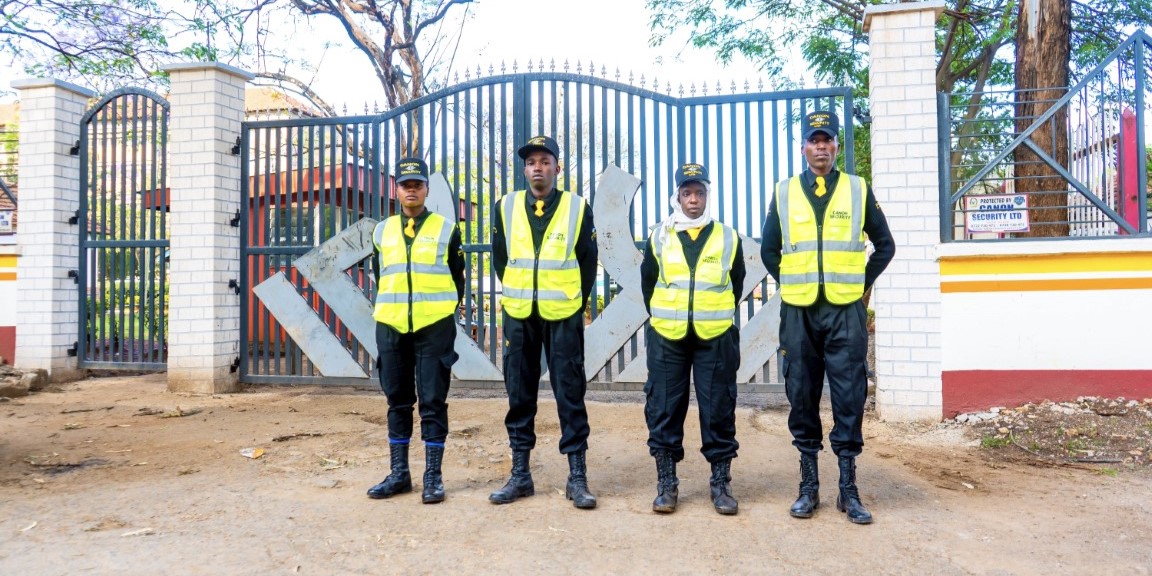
(563, 344)
(713, 364)
(818, 340)
(417, 367)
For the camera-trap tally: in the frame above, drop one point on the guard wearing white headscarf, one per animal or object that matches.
(692, 277)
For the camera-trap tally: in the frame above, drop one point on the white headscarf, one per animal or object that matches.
(678, 221)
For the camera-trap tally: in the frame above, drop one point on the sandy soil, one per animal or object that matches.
(119, 476)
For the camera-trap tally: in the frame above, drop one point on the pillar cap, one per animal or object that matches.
(217, 66)
(936, 6)
(31, 83)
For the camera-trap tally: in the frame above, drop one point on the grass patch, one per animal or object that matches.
(994, 442)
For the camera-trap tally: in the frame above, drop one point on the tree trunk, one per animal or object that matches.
(1043, 46)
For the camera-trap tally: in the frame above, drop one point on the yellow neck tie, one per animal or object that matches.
(539, 208)
(410, 231)
(693, 232)
(820, 189)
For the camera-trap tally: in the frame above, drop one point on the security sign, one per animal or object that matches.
(5, 221)
(996, 213)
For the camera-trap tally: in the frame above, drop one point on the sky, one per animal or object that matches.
(612, 33)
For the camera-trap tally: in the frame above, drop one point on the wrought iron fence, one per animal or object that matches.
(306, 180)
(1077, 168)
(123, 232)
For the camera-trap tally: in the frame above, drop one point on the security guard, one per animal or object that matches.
(544, 251)
(692, 278)
(813, 245)
(419, 269)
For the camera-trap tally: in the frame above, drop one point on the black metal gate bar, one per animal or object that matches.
(470, 133)
(123, 240)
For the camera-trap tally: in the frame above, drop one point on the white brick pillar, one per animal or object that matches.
(207, 107)
(902, 79)
(47, 317)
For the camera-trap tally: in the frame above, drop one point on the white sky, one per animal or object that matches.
(612, 33)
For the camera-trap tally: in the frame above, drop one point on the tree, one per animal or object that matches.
(1043, 48)
(974, 39)
(110, 43)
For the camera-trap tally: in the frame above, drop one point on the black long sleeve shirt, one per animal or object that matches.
(875, 226)
(650, 267)
(455, 253)
(587, 254)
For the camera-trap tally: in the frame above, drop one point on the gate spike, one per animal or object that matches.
(718, 89)
(514, 66)
(642, 83)
(591, 68)
(540, 66)
(503, 67)
(692, 89)
(704, 88)
(681, 90)
(565, 64)
(467, 74)
(478, 74)
(552, 65)
(603, 71)
(579, 67)
(631, 77)
(529, 65)
(617, 73)
(760, 84)
(746, 87)
(491, 70)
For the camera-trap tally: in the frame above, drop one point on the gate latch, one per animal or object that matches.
(235, 364)
(74, 218)
(72, 349)
(75, 149)
(236, 147)
(234, 285)
(235, 221)
(74, 275)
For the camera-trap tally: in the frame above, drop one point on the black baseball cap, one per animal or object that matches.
(691, 172)
(820, 121)
(535, 143)
(411, 169)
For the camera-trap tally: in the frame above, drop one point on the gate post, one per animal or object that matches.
(47, 318)
(905, 157)
(207, 108)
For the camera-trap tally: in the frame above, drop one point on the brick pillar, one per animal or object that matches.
(207, 106)
(47, 318)
(905, 155)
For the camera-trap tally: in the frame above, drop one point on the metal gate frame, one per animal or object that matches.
(303, 180)
(123, 232)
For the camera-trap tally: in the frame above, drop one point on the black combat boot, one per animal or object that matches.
(399, 480)
(849, 499)
(520, 484)
(433, 480)
(667, 485)
(577, 488)
(809, 499)
(721, 490)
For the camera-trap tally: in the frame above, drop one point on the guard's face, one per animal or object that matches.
(693, 197)
(820, 152)
(413, 193)
(540, 170)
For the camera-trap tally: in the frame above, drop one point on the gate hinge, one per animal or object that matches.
(236, 147)
(75, 149)
(234, 285)
(74, 275)
(75, 218)
(73, 349)
(235, 365)
(235, 221)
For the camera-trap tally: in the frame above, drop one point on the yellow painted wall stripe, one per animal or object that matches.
(7, 261)
(7, 276)
(1046, 285)
(1047, 263)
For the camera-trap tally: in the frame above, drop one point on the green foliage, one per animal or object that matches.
(994, 442)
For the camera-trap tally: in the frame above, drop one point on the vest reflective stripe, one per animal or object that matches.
(432, 294)
(551, 276)
(834, 254)
(703, 296)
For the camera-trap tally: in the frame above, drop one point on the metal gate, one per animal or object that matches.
(305, 181)
(123, 232)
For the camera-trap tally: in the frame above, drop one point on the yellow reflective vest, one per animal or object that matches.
(829, 252)
(549, 274)
(416, 288)
(700, 296)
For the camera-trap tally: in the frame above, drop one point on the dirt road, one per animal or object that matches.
(118, 476)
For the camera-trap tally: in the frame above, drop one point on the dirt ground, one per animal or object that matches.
(119, 476)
